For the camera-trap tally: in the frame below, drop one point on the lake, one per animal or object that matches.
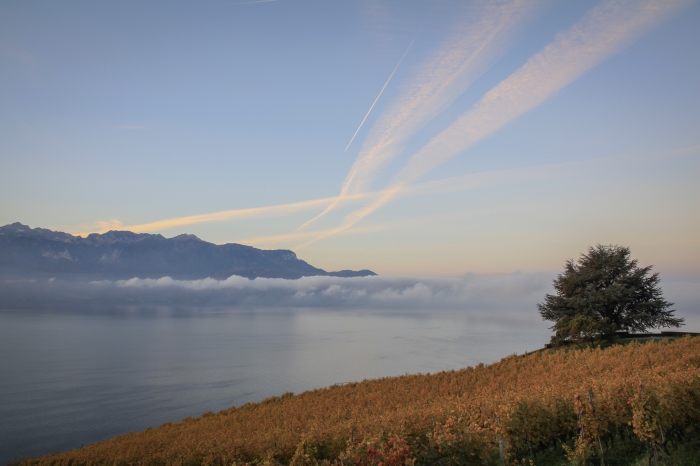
(71, 378)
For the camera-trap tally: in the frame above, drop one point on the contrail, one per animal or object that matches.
(273, 240)
(453, 67)
(489, 28)
(604, 31)
(460, 183)
(380, 92)
(253, 212)
(452, 184)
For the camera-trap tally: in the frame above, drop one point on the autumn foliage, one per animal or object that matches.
(576, 400)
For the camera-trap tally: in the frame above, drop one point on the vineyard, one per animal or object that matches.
(604, 406)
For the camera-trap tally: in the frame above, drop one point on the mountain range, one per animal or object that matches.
(38, 252)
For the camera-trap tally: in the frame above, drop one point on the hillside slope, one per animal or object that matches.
(639, 397)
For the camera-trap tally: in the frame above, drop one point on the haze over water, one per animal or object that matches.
(84, 361)
(412, 138)
(72, 378)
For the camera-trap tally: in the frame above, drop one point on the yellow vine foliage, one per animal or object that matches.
(516, 404)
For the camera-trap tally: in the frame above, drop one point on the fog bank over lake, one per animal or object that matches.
(84, 361)
(473, 292)
(503, 297)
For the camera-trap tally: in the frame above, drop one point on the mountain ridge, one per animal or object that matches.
(32, 252)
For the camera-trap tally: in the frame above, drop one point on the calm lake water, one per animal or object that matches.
(72, 378)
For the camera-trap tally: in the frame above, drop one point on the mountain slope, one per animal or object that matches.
(30, 252)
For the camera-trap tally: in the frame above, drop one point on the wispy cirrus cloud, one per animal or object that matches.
(605, 30)
(273, 240)
(454, 184)
(451, 184)
(488, 29)
(234, 214)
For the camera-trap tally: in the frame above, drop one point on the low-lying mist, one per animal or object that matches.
(504, 296)
(470, 292)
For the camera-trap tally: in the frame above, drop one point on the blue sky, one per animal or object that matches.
(511, 136)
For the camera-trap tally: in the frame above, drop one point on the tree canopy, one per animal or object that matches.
(605, 292)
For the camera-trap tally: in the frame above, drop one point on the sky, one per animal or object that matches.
(409, 137)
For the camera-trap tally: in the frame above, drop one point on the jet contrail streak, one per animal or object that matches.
(380, 92)
(253, 212)
(605, 30)
(488, 29)
(452, 184)
(274, 240)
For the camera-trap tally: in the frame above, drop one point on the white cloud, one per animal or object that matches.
(470, 292)
(604, 31)
(487, 30)
(508, 299)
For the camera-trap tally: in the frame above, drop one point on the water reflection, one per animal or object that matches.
(72, 378)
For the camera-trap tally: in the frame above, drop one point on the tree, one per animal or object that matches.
(605, 292)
